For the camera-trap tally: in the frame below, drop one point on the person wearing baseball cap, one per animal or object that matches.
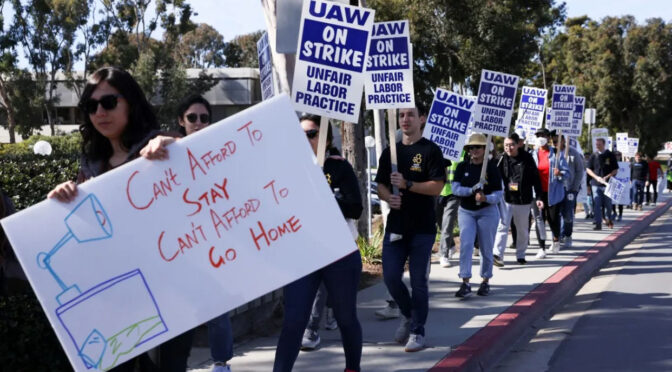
(478, 213)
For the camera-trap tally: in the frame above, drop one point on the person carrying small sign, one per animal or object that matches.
(601, 166)
(410, 230)
(478, 214)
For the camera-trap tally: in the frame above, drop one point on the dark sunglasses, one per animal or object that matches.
(312, 133)
(469, 148)
(205, 118)
(109, 102)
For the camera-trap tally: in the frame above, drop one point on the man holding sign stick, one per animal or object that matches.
(420, 177)
(602, 165)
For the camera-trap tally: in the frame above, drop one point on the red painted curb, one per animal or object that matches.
(484, 348)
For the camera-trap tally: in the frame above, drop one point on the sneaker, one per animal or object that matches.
(568, 242)
(555, 247)
(522, 261)
(610, 224)
(444, 261)
(330, 322)
(597, 228)
(310, 341)
(221, 367)
(404, 330)
(464, 291)
(415, 343)
(451, 252)
(541, 254)
(483, 289)
(388, 312)
(497, 261)
(620, 218)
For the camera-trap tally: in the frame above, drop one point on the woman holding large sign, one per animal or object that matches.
(118, 123)
(341, 278)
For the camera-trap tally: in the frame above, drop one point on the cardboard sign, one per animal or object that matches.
(577, 117)
(531, 110)
(494, 107)
(562, 108)
(448, 122)
(633, 146)
(621, 192)
(389, 67)
(600, 133)
(622, 143)
(135, 259)
(331, 59)
(265, 68)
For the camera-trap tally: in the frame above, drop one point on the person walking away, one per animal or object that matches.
(420, 177)
(573, 183)
(447, 216)
(655, 172)
(478, 214)
(521, 181)
(640, 178)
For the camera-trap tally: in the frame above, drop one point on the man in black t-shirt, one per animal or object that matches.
(640, 178)
(601, 166)
(410, 229)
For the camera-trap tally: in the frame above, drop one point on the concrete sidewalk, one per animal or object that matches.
(465, 327)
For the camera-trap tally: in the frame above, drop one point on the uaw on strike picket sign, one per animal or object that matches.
(531, 110)
(494, 106)
(332, 50)
(562, 108)
(448, 122)
(577, 117)
(265, 67)
(154, 248)
(389, 68)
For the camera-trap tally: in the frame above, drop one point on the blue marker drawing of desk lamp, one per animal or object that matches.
(87, 222)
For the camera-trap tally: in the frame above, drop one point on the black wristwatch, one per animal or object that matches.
(409, 183)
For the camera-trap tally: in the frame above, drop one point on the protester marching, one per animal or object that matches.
(164, 232)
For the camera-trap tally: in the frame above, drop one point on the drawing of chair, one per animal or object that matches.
(87, 222)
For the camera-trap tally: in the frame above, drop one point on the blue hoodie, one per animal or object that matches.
(556, 187)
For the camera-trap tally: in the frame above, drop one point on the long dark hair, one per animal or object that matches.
(141, 118)
(186, 103)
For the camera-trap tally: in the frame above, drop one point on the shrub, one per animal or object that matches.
(371, 249)
(68, 145)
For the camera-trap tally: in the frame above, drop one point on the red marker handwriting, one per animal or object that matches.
(184, 243)
(282, 192)
(254, 135)
(269, 235)
(209, 197)
(217, 260)
(161, 188)
(233, 215)
(210, 159)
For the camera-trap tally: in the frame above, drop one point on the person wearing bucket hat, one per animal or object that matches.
(478, 214)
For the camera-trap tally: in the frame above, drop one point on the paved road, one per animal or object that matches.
(621, 320)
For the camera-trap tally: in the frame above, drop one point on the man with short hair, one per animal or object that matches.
(640, 178)
(410, 230)
(602, 165)
(573, 182)
(520, 178)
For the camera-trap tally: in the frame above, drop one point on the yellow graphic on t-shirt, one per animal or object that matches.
(417, 161)
(328, 178)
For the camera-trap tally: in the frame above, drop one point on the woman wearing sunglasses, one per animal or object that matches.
(118, 124)
(478, 214)
(340, 278)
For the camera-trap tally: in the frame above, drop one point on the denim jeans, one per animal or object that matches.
(639, 191)
(417, 249)
(600, 200)
(220, 336)
(520, 214)
(448, 224)
(484, 223)
(567, 211)
(318, 308)
(342, 280)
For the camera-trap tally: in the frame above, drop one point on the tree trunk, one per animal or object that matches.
(355, 152)
(11, 120)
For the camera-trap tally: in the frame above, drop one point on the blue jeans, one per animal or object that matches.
(417, 248)
(567, 212)
(600, 200)
(639, 191)
(342, 280)
(321, 300)
(220, 336)
(484, 223)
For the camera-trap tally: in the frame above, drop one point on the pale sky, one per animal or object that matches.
(237, 17)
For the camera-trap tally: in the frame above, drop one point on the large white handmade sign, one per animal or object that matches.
(448, 121)
(331, 59)
(389, 68)
(154, 248)
(494, 106)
